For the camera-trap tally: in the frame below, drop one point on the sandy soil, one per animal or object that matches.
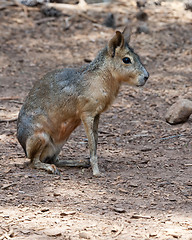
(146, 190)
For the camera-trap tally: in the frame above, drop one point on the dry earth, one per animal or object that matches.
(146, 191)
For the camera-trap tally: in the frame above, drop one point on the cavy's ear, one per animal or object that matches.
(127, 33)
(116, 41)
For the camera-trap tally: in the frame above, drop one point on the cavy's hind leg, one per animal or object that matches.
(50, 155)
(35, 148)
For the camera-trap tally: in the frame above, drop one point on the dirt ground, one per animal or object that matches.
(146, 190)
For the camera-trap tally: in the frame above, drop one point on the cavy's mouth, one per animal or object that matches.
(140, 84)
(142, 81)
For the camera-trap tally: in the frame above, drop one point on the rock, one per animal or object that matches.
(179, 112)
(137, 216)
(113, 199)
(56, 194)
(84, 235)
(142, 16)
(51, 12)
(141, 3)
(189, 183)
(146, 149)
(188, 5)
(67, 213)
(143, 28)
(158, 2)
(25, 231)
(31, 3)
(53, 232)
(133, 184)
(44, 209)
(109, 21)
(152, 235)
(119, 210)
(123, 190)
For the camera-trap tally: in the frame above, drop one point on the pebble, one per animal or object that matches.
(146, 149)
(137, 216)
(119, 210)
(188, 5)
(44, 209)
(141, 3)
(51, 12)
(67, 213)
(152, 235)
(133, 184)
(113, 199)
(53, 232)
(56, 193)
(143, 29)
(109, 21)
(142, 16)
(123, 190)
(84, 235)
(179, 112)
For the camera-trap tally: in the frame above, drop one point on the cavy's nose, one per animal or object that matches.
(146, 77)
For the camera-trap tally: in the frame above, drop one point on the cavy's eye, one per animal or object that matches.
(126, 60)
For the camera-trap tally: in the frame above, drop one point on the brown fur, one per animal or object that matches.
(63, 98)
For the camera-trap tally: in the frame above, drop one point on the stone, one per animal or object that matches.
(179, 112)
(84, 235)
(143, 28)
(141, 16)
(66, 213)
(188, 5)
(119, 210)
(55, 232)
(109, 21)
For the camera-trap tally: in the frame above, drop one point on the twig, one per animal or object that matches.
(119, 231)
(9, 98)
(8, 120)
(63, 6)
(45, 20)
(7, 235)
(188, 164)
(140, 216)
(78, 7)
(170, 137)
(2, 7)
(23, 7)
(88, 18)
(8, 186)
(17, 102)
(4, 236)
(108, 134)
